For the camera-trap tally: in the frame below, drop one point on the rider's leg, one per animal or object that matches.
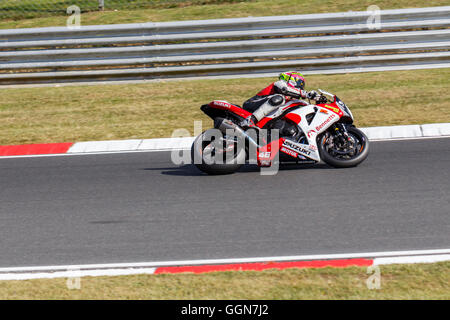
(270, 105)
(252, 104)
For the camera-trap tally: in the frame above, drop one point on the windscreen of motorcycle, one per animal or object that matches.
(345, 110)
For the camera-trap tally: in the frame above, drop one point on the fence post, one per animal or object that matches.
(101, 5)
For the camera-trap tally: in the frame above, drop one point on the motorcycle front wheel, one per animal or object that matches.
(217, 155)
(344, 154)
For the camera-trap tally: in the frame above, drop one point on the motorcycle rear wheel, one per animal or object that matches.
(201, 148)
(352, 154)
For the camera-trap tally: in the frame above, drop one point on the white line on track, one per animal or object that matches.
(87, 153)
(76, 273)
(412, 259)
(411, 138)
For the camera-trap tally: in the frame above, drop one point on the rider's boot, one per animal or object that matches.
(249, 122)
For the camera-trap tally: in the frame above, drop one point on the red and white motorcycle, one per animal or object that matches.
(296, 132)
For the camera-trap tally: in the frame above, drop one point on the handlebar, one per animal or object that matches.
(325, 94)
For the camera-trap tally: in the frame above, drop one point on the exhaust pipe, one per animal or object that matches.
(223, 125)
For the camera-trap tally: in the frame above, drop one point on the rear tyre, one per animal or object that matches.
(220, 155)
(344, 155)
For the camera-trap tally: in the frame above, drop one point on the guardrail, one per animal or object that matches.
(256, 46)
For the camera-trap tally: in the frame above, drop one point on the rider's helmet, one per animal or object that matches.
(293, 79)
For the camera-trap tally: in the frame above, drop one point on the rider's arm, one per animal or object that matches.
(281, 87)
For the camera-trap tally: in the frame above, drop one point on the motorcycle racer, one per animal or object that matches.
(290, 85)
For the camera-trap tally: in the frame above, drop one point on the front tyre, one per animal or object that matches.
(214, 153)
(344, 153)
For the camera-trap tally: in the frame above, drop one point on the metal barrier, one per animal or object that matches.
(315, 43)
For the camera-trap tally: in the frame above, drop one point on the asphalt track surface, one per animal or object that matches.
(137, 207)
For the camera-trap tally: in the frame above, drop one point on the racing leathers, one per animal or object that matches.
(270, 98)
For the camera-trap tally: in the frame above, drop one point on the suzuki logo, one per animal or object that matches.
(296, 147)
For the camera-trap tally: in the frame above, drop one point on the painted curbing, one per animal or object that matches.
(435, 129)
(394, 132)
(412, 259)
(161, 144)
(167, 144)
(219, 265)
(259, 266)
(33, 149)
(407, 131)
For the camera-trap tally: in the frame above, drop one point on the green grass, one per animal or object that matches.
(199, 9)
(33, 9)
(153, 110)
(421, 281)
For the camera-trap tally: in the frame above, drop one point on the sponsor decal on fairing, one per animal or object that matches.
(296, 147)
(289, 152)
(334, 109)
(222, 103)
(327, 121)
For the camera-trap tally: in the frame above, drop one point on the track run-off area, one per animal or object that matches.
(138, 206)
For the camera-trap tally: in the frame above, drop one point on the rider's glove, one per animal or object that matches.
(303, 94)
(313, 95)
(321, 99)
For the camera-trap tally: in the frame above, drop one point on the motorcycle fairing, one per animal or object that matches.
(323, 118)
(296, 111)
(226, 106)
(291, 105)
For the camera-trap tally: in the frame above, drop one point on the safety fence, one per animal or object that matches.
(254, 46)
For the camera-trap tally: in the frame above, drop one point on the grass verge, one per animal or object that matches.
(192, 10)
(152, 110)
(421, 281)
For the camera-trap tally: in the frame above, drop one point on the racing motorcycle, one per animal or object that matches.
(297, 132)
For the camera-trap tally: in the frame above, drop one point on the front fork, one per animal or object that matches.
(340, 130)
